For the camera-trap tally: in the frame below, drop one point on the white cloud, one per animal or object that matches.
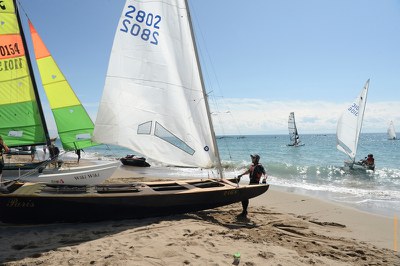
(254, 116)
(258, 117)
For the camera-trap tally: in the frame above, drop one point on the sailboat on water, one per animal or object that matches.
(349, 128)
(293, 133)
(22, 122)
(391, 131)
(154, 64)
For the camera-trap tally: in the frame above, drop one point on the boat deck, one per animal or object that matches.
(114, 190)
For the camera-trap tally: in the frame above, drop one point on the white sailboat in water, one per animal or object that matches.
(153, 102)
(391, 132)
(349, 128)
(293, 133)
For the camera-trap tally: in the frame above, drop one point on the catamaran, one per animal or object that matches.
(153, 63)
(349, 128)
(22, 122)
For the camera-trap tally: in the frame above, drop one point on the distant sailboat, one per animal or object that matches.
(349, 128)
(391, 132)
(293, 133)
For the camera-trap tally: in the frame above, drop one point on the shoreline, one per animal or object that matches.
(332, 197)
(364, 226)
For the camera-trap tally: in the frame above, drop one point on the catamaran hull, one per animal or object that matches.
(17, 208)
(91, 176)
(85, 175)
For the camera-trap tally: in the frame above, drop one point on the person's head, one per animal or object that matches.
(255, 158)
(370, 155)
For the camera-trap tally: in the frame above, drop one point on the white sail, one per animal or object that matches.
(293, 134)
(391, 132)
(153, 100)
(350, 124)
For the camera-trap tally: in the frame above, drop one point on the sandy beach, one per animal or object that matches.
(282, 228)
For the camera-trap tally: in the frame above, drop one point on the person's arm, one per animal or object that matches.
(245, 173)
(6, 149)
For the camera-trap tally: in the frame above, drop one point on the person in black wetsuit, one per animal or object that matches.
(255, 172)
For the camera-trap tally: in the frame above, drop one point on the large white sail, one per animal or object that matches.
(293, 134)
(350, 124)
(153, 100)
(391, 132)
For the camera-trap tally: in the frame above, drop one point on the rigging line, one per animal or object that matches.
(215, 102)
(22, 8)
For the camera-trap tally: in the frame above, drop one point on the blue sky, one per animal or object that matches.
(261, 58)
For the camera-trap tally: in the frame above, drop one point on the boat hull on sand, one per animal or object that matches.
(39, 203)
(81, 175)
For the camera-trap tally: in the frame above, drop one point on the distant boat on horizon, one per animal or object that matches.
(293, 133)
(391, 131)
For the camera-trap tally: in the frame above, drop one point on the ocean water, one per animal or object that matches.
(314, 169)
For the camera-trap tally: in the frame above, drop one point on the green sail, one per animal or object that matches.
(21, 119)
(74, 125)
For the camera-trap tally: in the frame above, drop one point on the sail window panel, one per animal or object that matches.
(16, 91)
(72, 121)
(167, 136)
(145, 128)
(59, 97)
(69, 141)
(8, 23)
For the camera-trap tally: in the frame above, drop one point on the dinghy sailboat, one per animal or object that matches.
(22, 122)
(349, 128)
(154, 64)
(293, 133)
(391, 132)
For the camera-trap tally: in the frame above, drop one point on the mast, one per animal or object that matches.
(359, 125)
(214, 139)
(34, 84)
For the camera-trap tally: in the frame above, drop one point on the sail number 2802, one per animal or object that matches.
(141, 24)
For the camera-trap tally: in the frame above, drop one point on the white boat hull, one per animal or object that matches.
(84, 175)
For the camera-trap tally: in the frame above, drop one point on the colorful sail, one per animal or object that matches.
(21, 120)
(154, 100)
(350, 124)
(74, 125)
